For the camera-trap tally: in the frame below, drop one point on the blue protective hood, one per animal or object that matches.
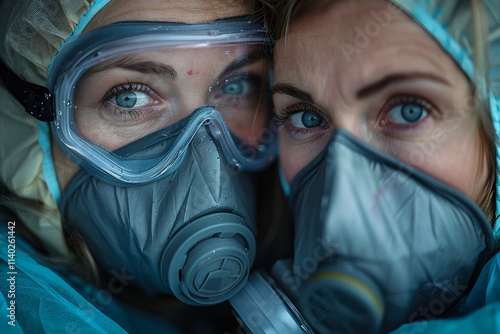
(451, 24)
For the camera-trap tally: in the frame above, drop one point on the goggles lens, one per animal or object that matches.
(135, 86)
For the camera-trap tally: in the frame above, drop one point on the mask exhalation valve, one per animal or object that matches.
(209, 259)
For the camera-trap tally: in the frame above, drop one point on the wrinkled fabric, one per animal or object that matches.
(32, 31)
(46, 302)
(19, 143)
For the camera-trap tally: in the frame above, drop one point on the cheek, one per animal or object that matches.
(455, 161)
(64, 167)
(290, 167)
(289, 160)
(98, 133)
(459, 166)
(294, 157)
(91, 127)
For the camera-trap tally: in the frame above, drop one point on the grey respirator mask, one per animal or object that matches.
(377, 244)
(190, 234)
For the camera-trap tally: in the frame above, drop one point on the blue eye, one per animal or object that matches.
(235, 88)
(412, 113)
(407, 113)
(131, 99)
(126, 100)
(306, 119)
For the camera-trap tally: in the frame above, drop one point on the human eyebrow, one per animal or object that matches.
(253, 57)
(372, 88)
(145, 67)
(282, 88)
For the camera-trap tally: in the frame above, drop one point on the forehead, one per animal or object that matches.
(198, 63)
(192, 11)
(355, 40)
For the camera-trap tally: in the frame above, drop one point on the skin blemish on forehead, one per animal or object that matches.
(193, 72)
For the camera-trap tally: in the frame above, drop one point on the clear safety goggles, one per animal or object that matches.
(120, 83)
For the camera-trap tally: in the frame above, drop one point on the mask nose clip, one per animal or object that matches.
(208, 260)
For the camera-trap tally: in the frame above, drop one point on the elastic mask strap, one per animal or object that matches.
(284, 183)
(49, 171)
(36, 100)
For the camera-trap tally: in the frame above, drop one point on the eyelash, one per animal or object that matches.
(407, 99)
(283, 117)
(288, 111)
(123, 88)
(397, 100)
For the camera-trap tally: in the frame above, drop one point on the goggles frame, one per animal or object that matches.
(123, 38)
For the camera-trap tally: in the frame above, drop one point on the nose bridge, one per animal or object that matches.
(193, 95)
(192, 102)
(349, 118)
(347, 110)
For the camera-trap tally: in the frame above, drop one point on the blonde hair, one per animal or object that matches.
(80, 263)
(487, 200)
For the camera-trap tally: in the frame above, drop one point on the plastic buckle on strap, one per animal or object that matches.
(36, 100)
(38, 103)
